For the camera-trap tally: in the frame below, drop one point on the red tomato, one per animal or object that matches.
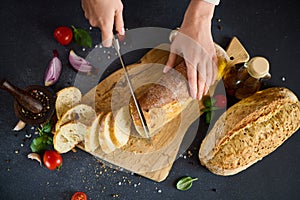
(63, 35)
(79, 196)
(52, 159)
(221, 100)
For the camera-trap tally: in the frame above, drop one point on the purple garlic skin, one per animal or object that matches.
(53, 71)
(79, 63)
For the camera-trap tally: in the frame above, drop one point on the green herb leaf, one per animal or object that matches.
(82, 37)
(208, 117)
(185, 183)
(209, 102)
(46, 128)
(38, 145)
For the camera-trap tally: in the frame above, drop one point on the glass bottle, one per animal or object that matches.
(243, 80)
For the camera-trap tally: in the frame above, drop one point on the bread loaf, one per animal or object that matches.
(250, 130)
(165, 100)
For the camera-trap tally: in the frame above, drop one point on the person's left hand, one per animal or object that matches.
(195, 44)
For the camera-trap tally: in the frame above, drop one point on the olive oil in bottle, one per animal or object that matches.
(243, 80)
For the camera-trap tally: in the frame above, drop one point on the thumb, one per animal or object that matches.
(170, 63)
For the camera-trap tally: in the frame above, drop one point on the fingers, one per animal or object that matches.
(170, 63)
(192, 79)
(119, 23)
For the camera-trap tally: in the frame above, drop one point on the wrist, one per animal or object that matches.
(201, 9)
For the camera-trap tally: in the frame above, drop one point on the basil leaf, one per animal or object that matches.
(185, 183)
(208, 117)
(47, 127)
(209, 102)
(82, 37)
(37, 145)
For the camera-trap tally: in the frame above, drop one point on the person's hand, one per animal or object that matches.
(195, 44)
(104, 14)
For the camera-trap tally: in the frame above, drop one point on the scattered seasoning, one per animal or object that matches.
(115, 195)
(159, 191)
(283, 78)
(83, 49)
(219, 20)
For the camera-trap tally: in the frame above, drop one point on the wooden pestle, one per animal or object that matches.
(22, 97)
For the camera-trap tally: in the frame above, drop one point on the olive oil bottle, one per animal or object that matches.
(243, 80)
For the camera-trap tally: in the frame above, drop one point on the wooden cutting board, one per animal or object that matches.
(153, 161)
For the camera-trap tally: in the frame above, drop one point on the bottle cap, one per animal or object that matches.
(258, 67)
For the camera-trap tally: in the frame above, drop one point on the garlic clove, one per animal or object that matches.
(53, 71)
(19, 126)
(35, 156)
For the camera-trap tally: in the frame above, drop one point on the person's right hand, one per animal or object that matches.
(104, 14)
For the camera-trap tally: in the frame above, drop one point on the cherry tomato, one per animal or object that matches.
(52, 159)
(79, 196)
(221, 100)
(63, 35)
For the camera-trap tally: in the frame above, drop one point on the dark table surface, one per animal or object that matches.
(267, 28)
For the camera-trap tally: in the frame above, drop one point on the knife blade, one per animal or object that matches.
(116, 45)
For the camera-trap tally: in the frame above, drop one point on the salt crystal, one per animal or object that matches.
(124, 43)
(100, 46)
(159, 191)
(22, 145)
(83, 49)
(120, 183)
(96, 46)
(91, 28)
(135, 185)
(104, 51)
(184, 157)
(283, 78)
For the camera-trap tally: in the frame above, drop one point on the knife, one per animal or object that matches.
(136, 103)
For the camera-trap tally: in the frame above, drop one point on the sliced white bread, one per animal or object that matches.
(80, 113)
(105, 140)
(68, 136)
(121, 124)
(91, 140)
(66, 99)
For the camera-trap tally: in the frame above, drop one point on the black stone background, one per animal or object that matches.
(267, 28)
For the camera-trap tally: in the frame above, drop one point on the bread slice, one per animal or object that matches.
(105, 140)
(250, 130)
(66, 99)
(121, 123)
(80, 113)
(91, 140)
(68, 136)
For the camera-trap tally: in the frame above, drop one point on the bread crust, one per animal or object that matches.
(250, 130)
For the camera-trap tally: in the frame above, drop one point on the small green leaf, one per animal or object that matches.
(82, 37)
(46, 128)
(185, 183)
(209, 102)
(38, 145)
(208, 117)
